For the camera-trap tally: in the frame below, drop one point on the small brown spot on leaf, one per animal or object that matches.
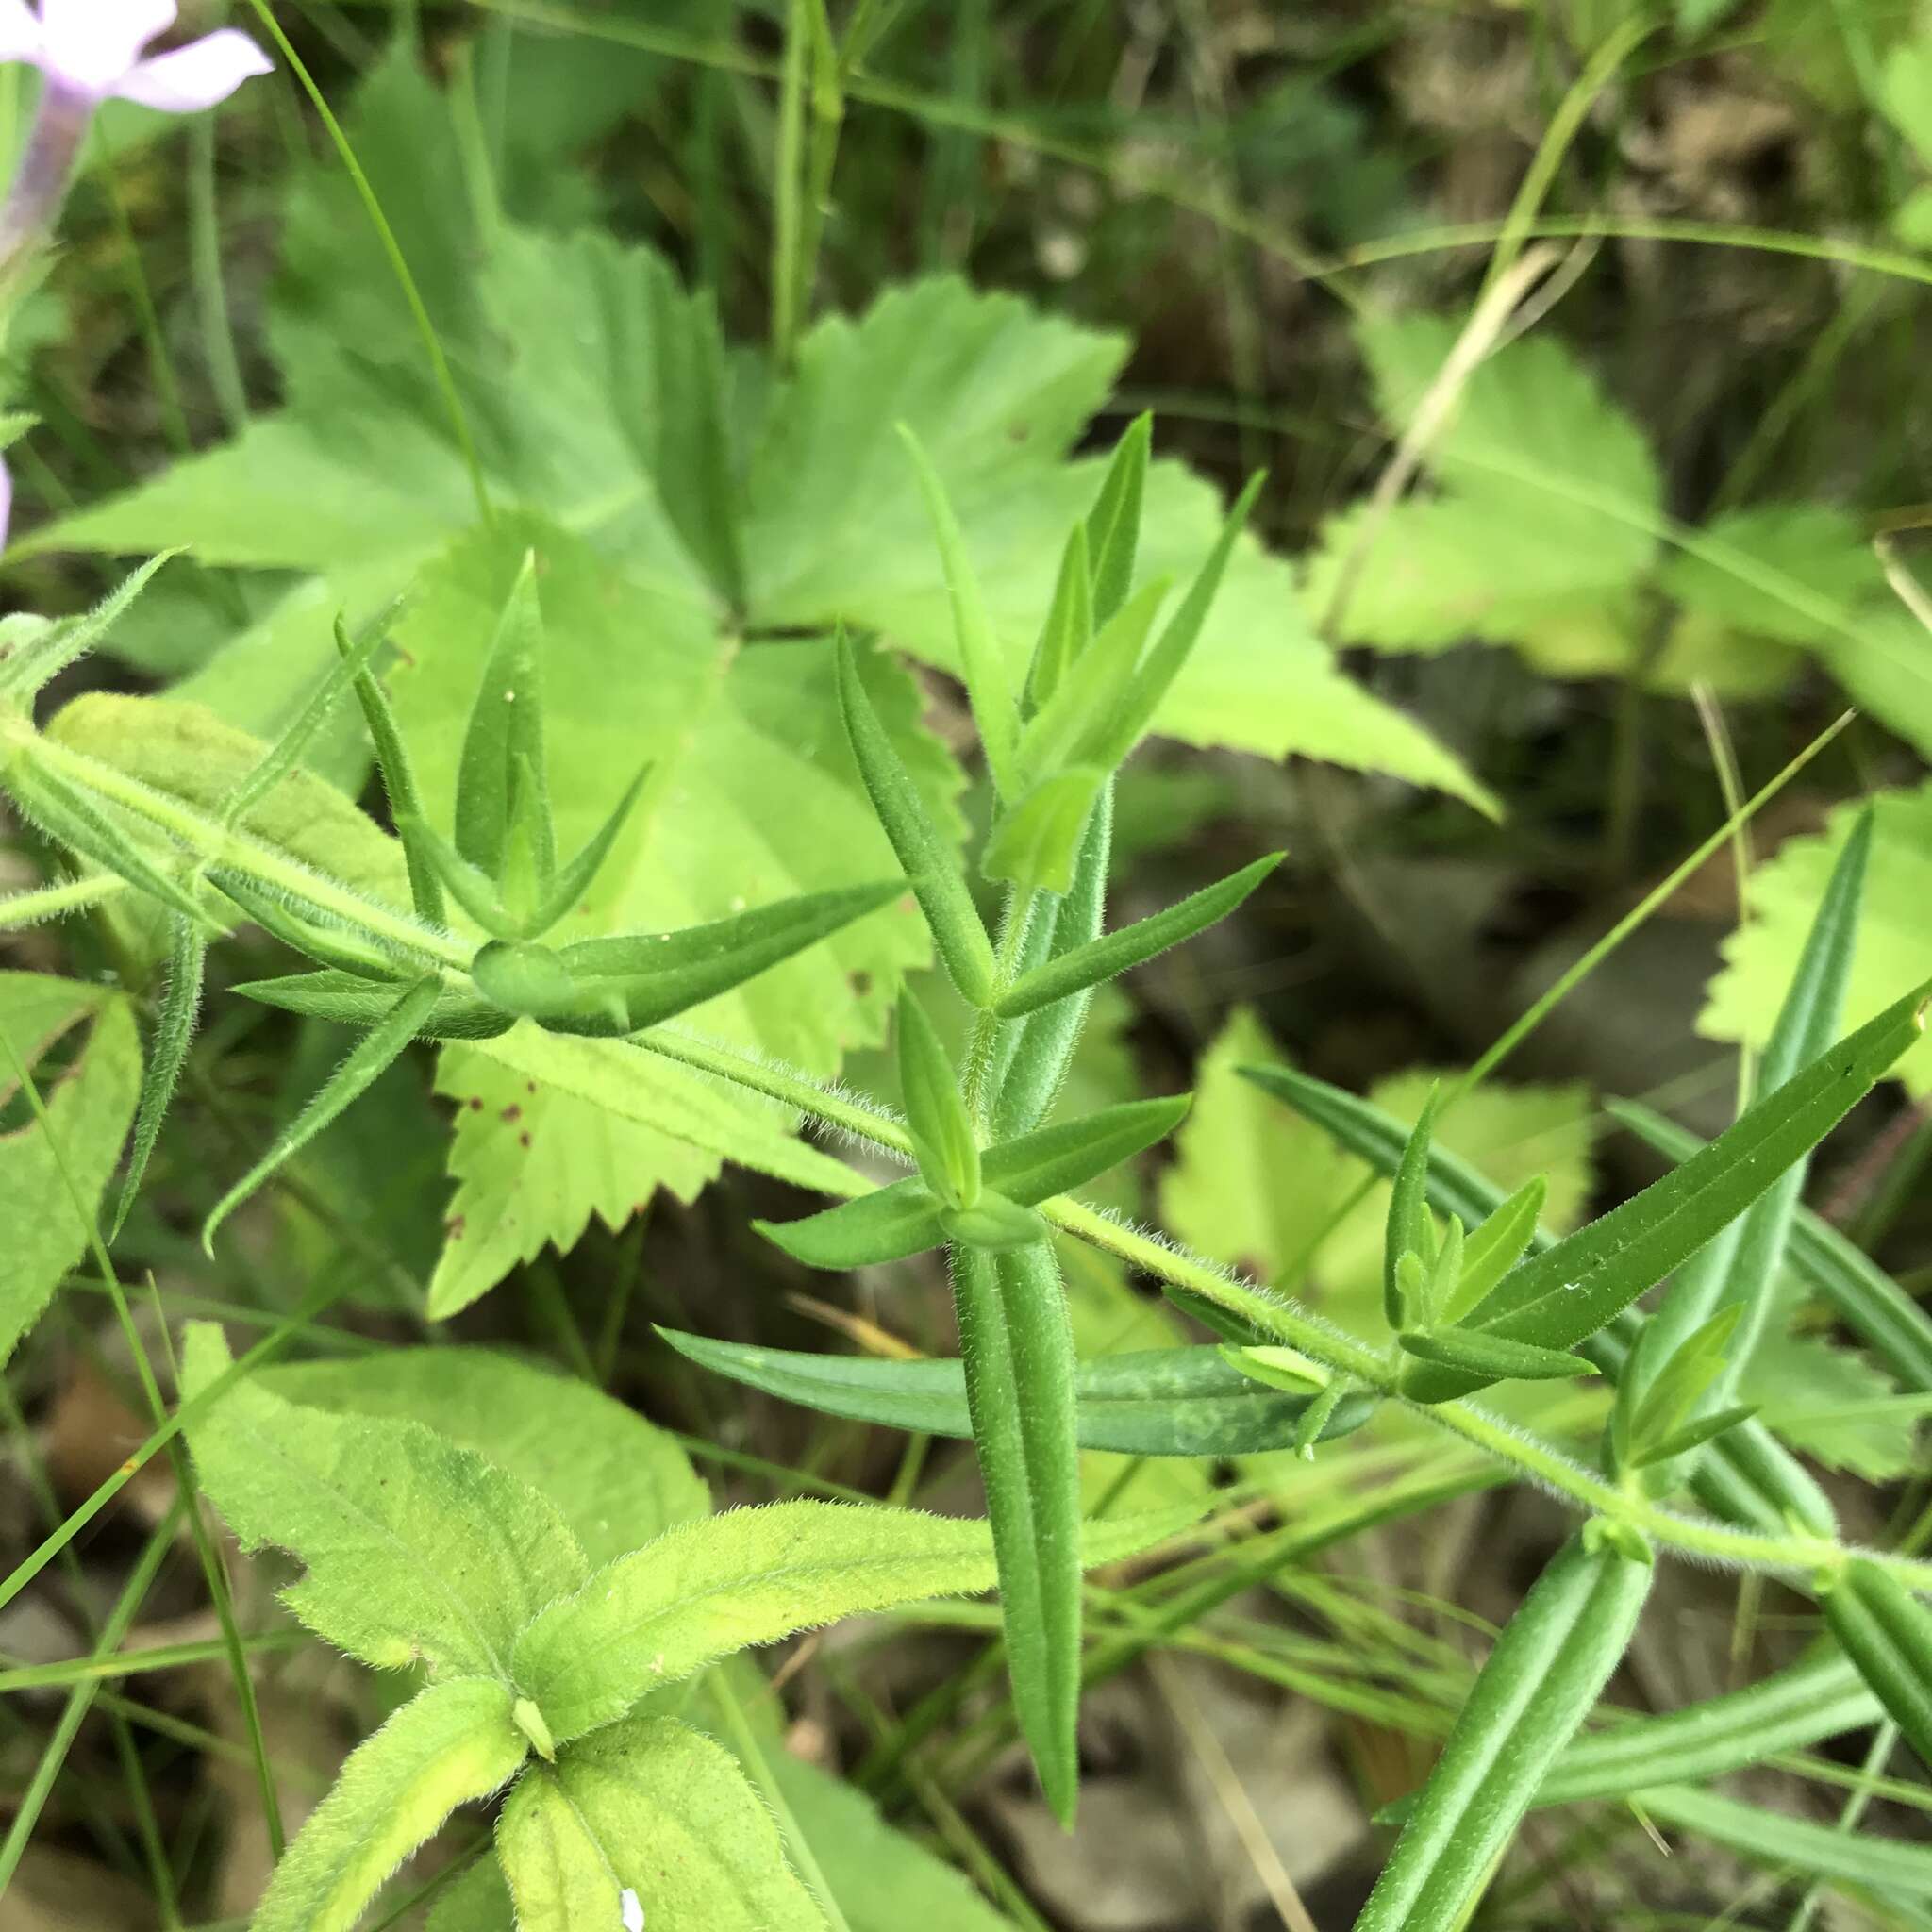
(475, 1103)
(523, 1138)
(512, 1112)
(456, 1226)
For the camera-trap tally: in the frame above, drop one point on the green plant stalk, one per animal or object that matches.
(1541, 1462)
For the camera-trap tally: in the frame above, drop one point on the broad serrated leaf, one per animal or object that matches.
(616, 1479)
(1829, 1401)
(752, 799)
(416, 1549)
(1570, 1290)
(1016, 1345)
(1784, 893)
(1178, 1402)
(1087, 966)
(475, 1901)
(1553, 1657)
(451, 1744)
(833, 531)
(654, 1809)
(1550, 509)
(87, 1106)
(748, 1578)
(1251, 1184)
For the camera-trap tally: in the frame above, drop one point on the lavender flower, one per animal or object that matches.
(91, 51)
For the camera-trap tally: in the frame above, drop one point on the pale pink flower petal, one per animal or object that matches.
(5, 501)
(20, 32)
(92, 44)
(197, 76)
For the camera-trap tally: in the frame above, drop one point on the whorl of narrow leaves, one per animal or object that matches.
(1570, 1290)
(1408, 1231)
(1553, 1657)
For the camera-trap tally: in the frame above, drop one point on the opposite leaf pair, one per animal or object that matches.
(420, 1551)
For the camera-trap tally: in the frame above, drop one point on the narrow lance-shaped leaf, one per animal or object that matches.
(1158, 1401)
(1651, 1406)
(1069, 627)
(349, 1000)
(1031, 1056)
(981, 660)
(751, 1576)
(907, 1218)
(1113, 525)
(1742, 1264)
(382, 1044)
(1087, 966)
(656, 975)
(315, 933)
(1131, 716)
(1888, 1634)
(1017, 1344)
(1051, 1160)
(282, 757)
(1870, 1303)
(1749, 1477)
(1036, 844)
(57, 646)
(1494, 1247)
(1553, 1657)
(71, 820)
(1476, 1354)
(417, 1550)
(575, 878)
(468, 884)
(1408, 1230)
(1063, 731)
(994, 1223)
(1693, 1435)
(166, 1055)
(651, 1811)
(1574, 1288)
(936, 1113)
(505, 724)
(932, 868)
(451, 1744)
(399, 785)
